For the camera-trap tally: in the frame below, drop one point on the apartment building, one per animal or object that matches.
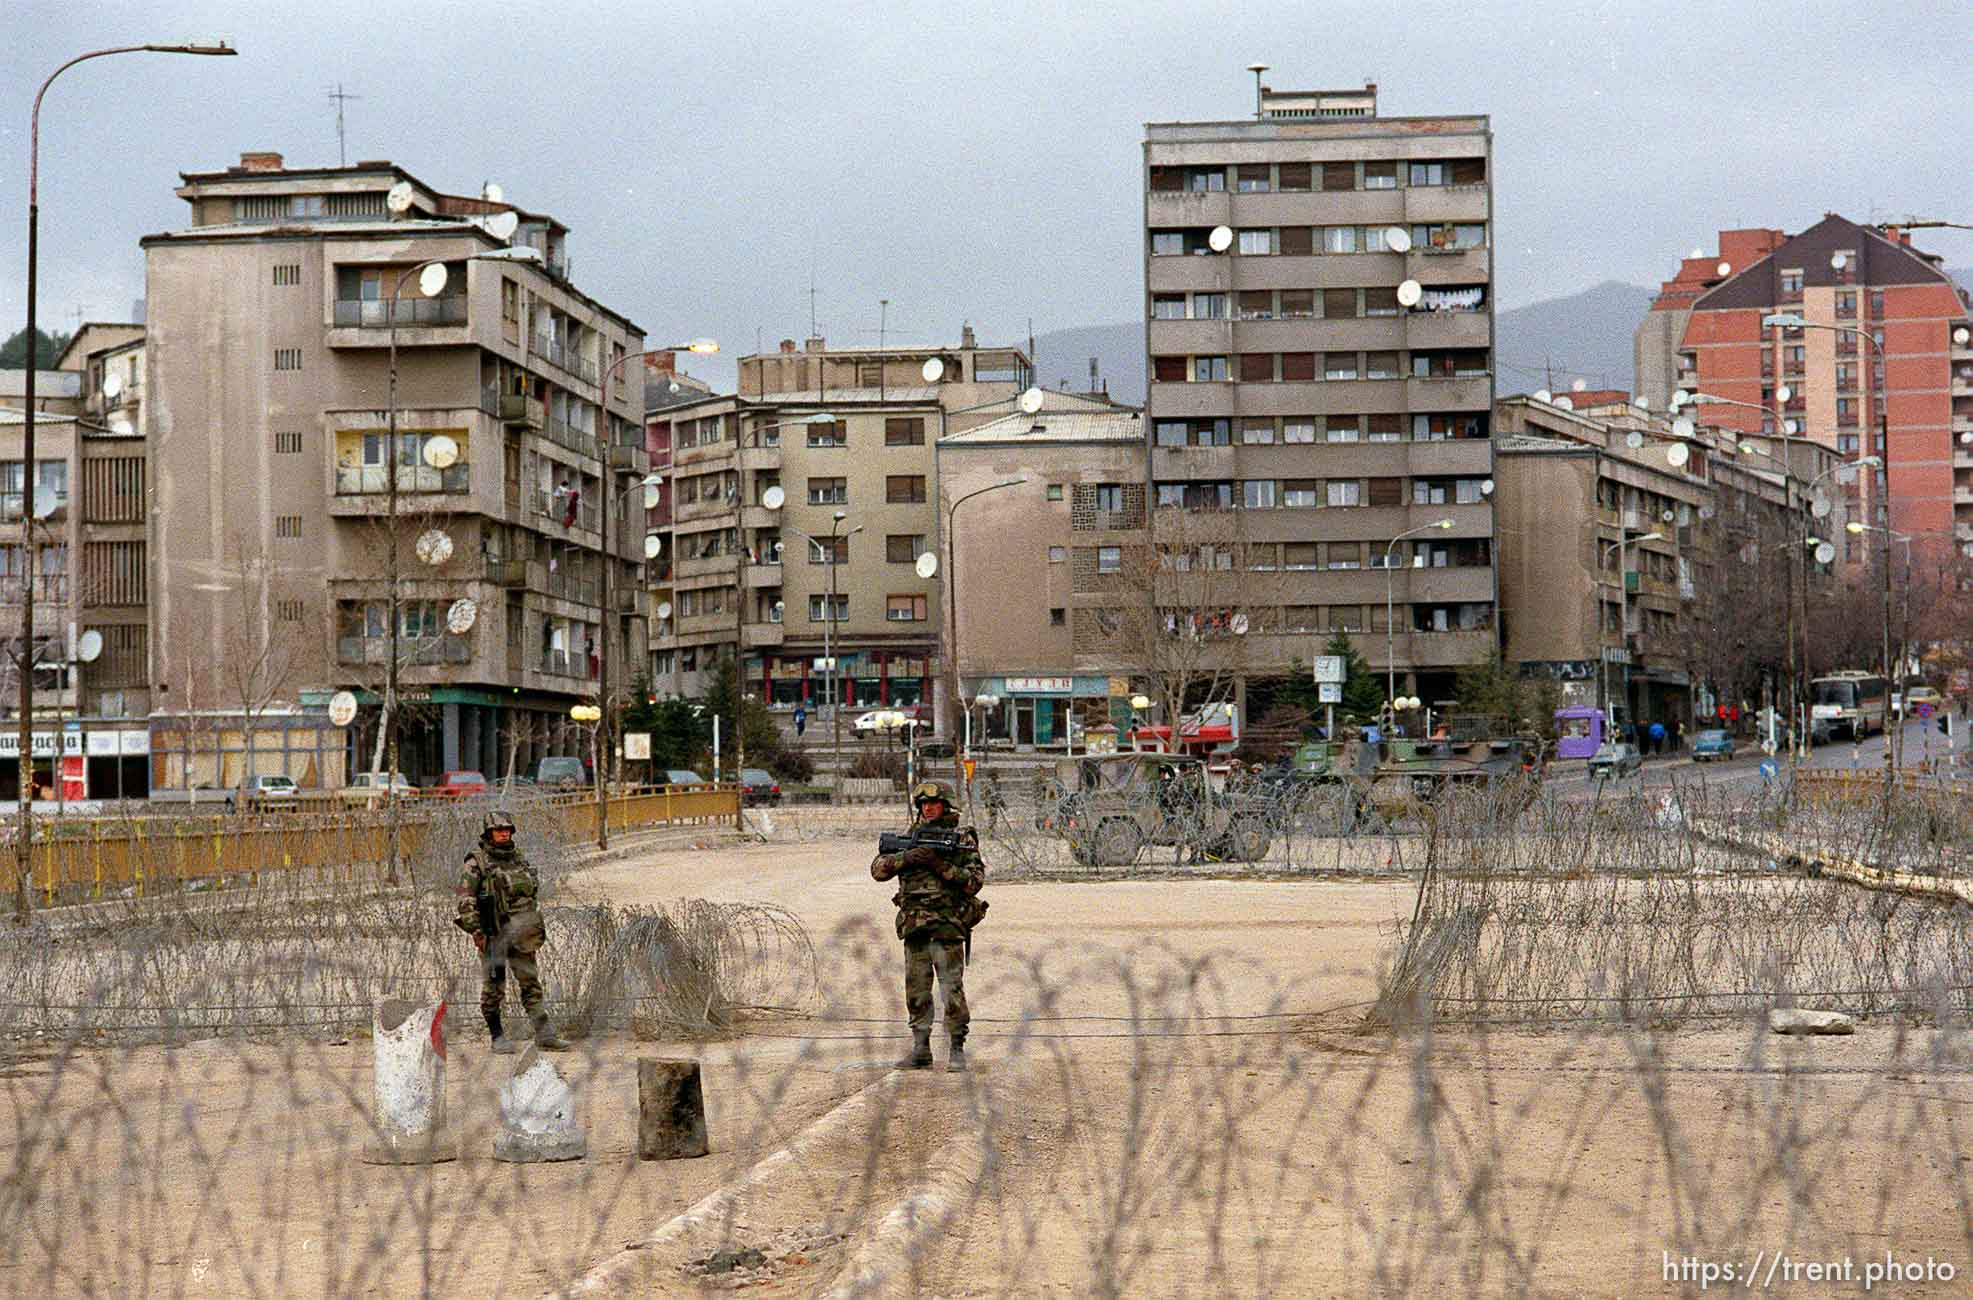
(273, 319)
(1037, 564)
(1884, 368)
(762, 567)
(1706, 535)
(1319, 330)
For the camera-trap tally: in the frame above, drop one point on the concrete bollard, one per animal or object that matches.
(410, 1080)
(538, 1119)
(671, 1110)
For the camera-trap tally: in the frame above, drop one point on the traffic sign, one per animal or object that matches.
(1769, 769)
(1329, 693)
(1923, 708)
(971, 765)
(1329, 668)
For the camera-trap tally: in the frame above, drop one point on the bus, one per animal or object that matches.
(1851, 703)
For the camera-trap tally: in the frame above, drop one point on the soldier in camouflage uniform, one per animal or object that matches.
(937, 907)
(498, 908)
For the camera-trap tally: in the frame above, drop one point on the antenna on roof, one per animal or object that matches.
(342, 149)
(1257, 69)
(883, 322)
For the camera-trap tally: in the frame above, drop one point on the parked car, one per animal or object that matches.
(460, 785)
(1917, 695)
(372, 789)
(562, 770)
(1714, 744)
(1615, 758)
(876, 721)
(265, 792)
(758, 787)
(682, 776)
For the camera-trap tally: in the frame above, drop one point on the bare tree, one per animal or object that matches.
(262, 651)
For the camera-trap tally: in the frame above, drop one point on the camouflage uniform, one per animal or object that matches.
(498, 907)
(937, 907)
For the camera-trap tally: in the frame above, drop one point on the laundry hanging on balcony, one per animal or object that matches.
(1462, 299)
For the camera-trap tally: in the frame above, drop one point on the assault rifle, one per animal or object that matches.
(924, 837)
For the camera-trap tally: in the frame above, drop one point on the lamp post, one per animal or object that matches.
(24, 837)
(835, 681)
(1857, 527)
(952, 596)
(1808, 667)
(1623, 618)
(1390, 623)
(1140, 703)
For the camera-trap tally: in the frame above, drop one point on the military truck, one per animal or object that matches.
(1110, 807)
(1404, 775)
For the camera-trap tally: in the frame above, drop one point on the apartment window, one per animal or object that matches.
(1167, 243)
(1877, 304)
(112, 490)
(828, 492)
(1846, 410)
(1381, 365)
(1338, 304)
(289, 611)
(1345, 555)
(1209, 306)
(903, 548)
(1298, 429)
(1300, 618)
(1429, 492)
(819, 612)
(1846, 306)
(1294, 177)
(1339, 365)
(1341, 428)
(1299, 556)
(1339, 239)
(1058, 618)
(1256, 431)
(1110, 497)
(1450, 236)
(1795, 357)
(1058, 554)
(1344, 492)
(1256, 304)
(1295, 241)
(1168, 306)
(510, 301)
(1386, 492)
(1380, 176)
(904, 431)
(1297, 304)
(1256, 367)
(287, 442)
(1168, 370)
(904, 609)
(1258, 494)
(1205, 180)
(113, 573)
(1380, 302)
(1208, 370)
(833, 434)
(1169, 433)
(1253, 178)
(1791, 284)
(1109, 559)
(1846, 376)
(287, 527)
(1054, 491)
(1846, 443)
(1263, 557)
(904, 489)
(1298, 493)
(287, 274)
(1338, 176)
(819, 551)
(287, 358)
(1469, 491)
(1385, 426)
(1256, 242)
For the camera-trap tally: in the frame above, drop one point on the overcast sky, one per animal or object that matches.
(968, 161)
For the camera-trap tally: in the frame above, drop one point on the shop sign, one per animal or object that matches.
(1041, 685)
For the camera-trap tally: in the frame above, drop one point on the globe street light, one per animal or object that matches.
(952, 600)
(1390, 639)
(1623, 617)
(1855, 528)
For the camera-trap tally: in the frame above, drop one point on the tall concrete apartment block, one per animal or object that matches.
(1886, 366)
(1319, 324)
(267, 407)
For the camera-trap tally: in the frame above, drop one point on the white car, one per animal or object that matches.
(369, 789)
(878, 721)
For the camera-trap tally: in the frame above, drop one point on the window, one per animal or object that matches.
(1791, 284)
(287, 273)
(1294, 177)
(1877, 304)
(1295, 241)
(1846, 410)
(1846, 305)
(1205, 180)
(1386, 492)
(1167, 243)
(903, 548)
(1338, 176)
(1167, 306)
(287, 442)
(1428, 173)
(1252, 178)
(1381, 365)
(1428, 492)
(1380, 176)
(1469, 491)
(1208, 370)
(1846, 376)
(818, 551)
(1058, 618)
(1256, 367)
(1299, 556)
(833, 434)
(1339, 365)
(818, 609)
(1170, 433)
(1263, 557)
(287, 358)
(1346, 555)
(1258, 494)
(1298, 493)
(1345, 492)
(1339, 304)
(1110, 497)
(828, 492)
(1256, 242)
(1449, 236)
(1380, 302)
(1256, 431)
(1339, 239)
(1300, 618)
(1209, 306)
(1297, 304)
(1341, 428)
(1846, 443)
(287, 527)
(1054, 491)
(904, 489)
(1058, 554)
(1298, 428)
(904, 609)
(113, 573)
(1168, 370)
(904, 431)
(510, 300)
(288, 611)
(1256, 304)
(1386, 426)
(1109, 559)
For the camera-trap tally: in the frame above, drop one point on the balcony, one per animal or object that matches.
(563, 434)
(1439, 203)
(708, 567)
(759, 458)
(1184, 209)
(1447, 266)
(368, 314)
(758, 517)
(630, 460)
(1449, 329)
(1458, 393)
(762, 576)
(357, 480)
(580, 589)
(560, 355)
(411, 651)
(519, 408)
(547, 504)
(709, 508)
(756, 636)
(512, 573)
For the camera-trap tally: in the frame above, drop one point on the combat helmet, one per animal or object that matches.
(926, 791)
(497, 829)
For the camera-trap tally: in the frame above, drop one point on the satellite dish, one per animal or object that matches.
(1563, 404)
(459, 619)
(1696, 254)
(1790, 428)
(1239, 624)
(1824, 553)
(775, 497)
(1667, 516)
(653, 493)
(664, 609)
(1967, 437)
(121, 426)
(1820, 507)
(112, 385)
(45, 501)
(1409, 293)
(1031, 401)
(1398, 239)
(927, 566)
(1783, 393)
(342, 708)
(1962, 336)
(1543, 395)
(431, 280)
(1838, 260)
(1633, 440)
(1678, 455)
(398, 200)
(89, 646)
(1579, 386)
(1725, 268)
(780, 607)
(441, 452)
(1679, 398)
(1641, 402)
(932, 370)
(653, 544)
(502, 225)
(492, 193)
(1221, 239)
(1486, 487)
(1684, 427)
(434, 547)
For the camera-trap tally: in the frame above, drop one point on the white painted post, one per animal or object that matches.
(410, 1123)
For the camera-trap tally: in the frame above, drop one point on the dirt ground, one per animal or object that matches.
(1172, 1095)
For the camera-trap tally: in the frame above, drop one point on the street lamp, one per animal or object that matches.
(1857, 527)
(24, 838)
(1138, 704)
(952, 600)
(834, 694)
(1796, 321)
(1623, 618)
(1390, 624)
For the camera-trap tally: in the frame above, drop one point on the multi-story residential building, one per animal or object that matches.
(1319, 329)
(1885, 367)
(759, 479)
(1705, 537)
(272, 319)
(1036, 564)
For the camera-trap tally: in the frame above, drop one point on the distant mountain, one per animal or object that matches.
(1119, 352)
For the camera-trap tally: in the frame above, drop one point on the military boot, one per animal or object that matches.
(501, 1043)
(955, 1061)
(545, 1036)
(921, 1051)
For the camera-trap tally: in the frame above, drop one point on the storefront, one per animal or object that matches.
(98, 762)
(870, 679)
(1042, 712)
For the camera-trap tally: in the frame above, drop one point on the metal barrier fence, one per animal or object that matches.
(88, 856)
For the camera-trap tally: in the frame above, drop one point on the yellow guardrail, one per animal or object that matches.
(96, 855)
